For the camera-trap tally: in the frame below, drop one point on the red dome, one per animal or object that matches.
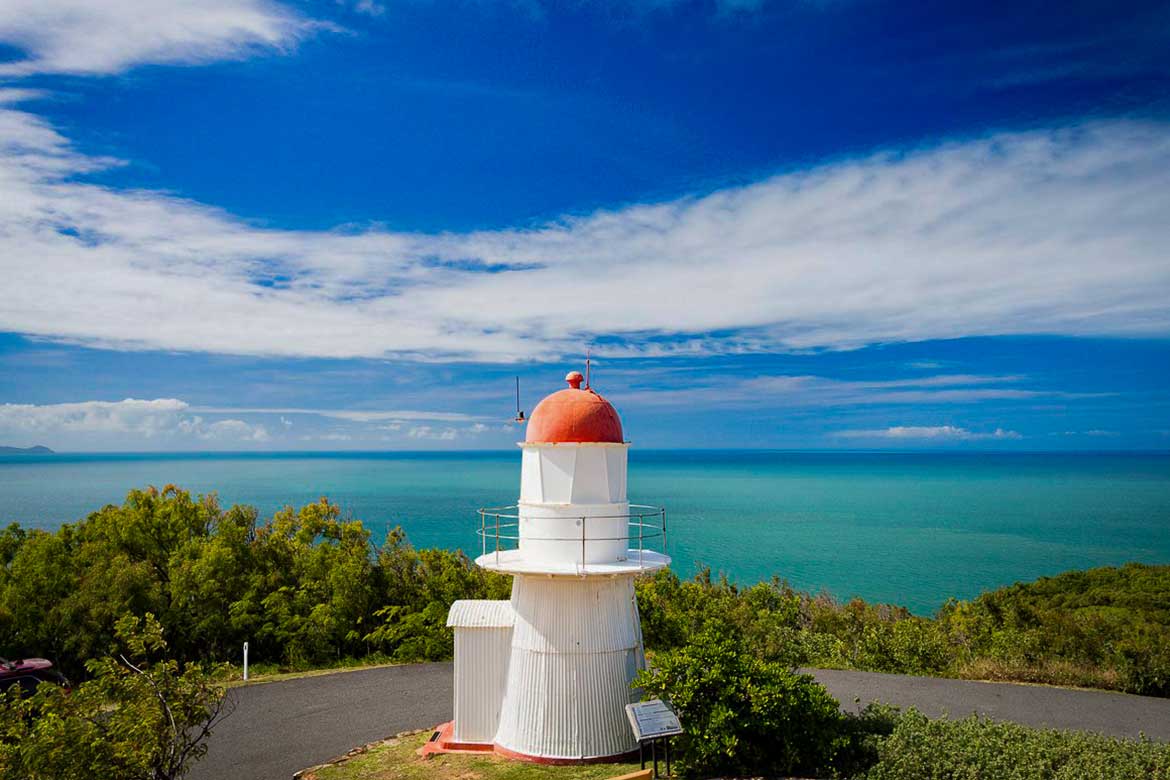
(574, 415)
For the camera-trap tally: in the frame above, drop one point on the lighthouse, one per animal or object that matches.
(546, 676)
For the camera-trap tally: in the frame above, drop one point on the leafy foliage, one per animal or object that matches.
(1107, 627)
(141, 716)
(743, 715)
(923, 749)
(304, 588)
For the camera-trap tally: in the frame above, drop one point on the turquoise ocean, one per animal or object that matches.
(911, 529)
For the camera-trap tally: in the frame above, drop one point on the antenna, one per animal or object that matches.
(519, 411)
(588, 350)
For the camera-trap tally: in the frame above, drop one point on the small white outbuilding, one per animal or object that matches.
(483, 644)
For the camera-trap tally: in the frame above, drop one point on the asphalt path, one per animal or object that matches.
(280, 727)
(1104, 712)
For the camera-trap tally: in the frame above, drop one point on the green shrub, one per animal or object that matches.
(142, 716)
(976, 749)
(743, 714)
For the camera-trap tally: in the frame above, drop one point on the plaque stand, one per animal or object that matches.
(654, 752)
(653, 722)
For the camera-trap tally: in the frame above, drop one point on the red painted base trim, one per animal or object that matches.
(512, 754)
(445, 744)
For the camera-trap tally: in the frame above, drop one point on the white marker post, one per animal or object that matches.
(245, 660)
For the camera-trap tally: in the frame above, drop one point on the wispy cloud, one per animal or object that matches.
(928, 433)
(450, 433)
(428, 432)
(1055, 231)
(352, 415)
(110, 36)
(809, 390)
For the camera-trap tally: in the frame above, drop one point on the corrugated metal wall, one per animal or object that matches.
(481, 672)
(576, 644)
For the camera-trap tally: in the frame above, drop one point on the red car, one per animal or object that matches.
(28, 673)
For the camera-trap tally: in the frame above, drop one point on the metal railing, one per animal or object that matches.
(644, 524)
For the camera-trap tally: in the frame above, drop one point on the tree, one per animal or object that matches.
(142, 716)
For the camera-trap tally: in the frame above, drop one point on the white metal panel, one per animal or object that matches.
(531, 487)
(582, 473)
(482, 656)
(590, 476)
(480, 613)
(556, 473)
(565, 615)
(568, 706)
(553, 533)
(616, 459)
(575, 648)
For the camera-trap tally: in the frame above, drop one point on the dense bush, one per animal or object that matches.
(976, 748)
(1107, 628)
(142, 716)
(746, 716)
(304, 587)
(743, 715)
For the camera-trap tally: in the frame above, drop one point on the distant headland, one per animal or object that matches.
(37, 450)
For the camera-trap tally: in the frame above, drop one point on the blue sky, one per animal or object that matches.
(239, 224)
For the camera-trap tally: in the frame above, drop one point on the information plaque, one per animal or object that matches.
(653, 720)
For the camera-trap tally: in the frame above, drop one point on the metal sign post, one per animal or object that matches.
(653, 721)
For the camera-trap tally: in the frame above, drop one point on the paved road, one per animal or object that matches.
(278, 728)
(1117, 714)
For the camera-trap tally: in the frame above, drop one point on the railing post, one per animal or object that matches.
(497, 538)
(641, 539)
(483, 531)
(663, 511)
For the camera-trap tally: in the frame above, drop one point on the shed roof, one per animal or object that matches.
(480, 613)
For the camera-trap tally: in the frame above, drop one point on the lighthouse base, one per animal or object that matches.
(505, 753)
(576, 646)
(443, 741)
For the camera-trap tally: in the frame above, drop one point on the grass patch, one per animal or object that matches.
(267, 672)
(238, 681)
(398, 759)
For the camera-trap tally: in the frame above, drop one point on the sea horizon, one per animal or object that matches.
(906, 527)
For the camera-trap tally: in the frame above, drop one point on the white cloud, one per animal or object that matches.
(809, 390)
(930, 433)
(352, 415)
(95, 37)
(369, 7)
(147, 419)
(232, 430)
(428, 432)
(132, 415)
(329, 437)
(1056, 231)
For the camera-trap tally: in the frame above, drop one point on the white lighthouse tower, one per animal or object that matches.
(571, 641)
